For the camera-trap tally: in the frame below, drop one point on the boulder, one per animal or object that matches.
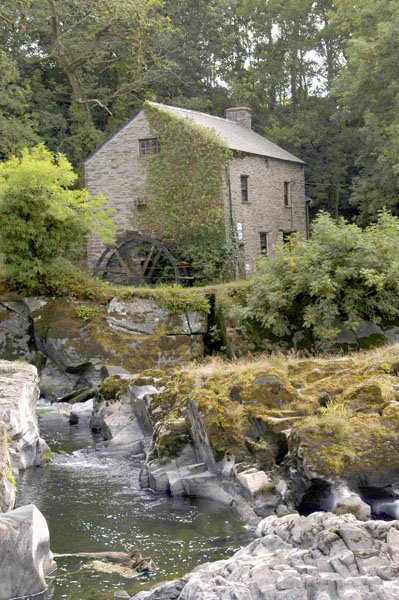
(120, 414)
(19, 392)
(16, 331)
(81, 413)
(322, 557)
(347, 501)
(20, 443)
(144, 316)
(130, 335)
(25, 556)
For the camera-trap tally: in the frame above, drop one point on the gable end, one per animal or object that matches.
(111, 137)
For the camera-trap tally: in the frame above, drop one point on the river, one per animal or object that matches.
(92, 502)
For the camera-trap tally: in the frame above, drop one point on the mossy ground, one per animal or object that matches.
(78, 285)
(341, 410)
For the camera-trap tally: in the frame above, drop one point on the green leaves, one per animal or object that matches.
(43, 220)
(339, 277)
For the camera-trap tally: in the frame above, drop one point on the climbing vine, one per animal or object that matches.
(184, 193)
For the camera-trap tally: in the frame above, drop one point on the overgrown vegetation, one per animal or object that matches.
(43, 221)
(184, 187)
(312, 289)
(71, 282)
(342, 412)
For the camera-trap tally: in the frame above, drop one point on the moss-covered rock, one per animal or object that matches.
(75, 344)
(112, 388)
(259, 414)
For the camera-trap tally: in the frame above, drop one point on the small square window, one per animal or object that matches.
(263, 242)
(287, 193)
(149, 147)
(244, 188)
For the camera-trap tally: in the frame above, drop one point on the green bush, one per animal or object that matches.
(340, 276)
(43, 222)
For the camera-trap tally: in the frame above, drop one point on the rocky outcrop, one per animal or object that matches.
(25, 556)
(76, 344)
(274, 437)
(320, 557)
(20, 443)
(120, 414)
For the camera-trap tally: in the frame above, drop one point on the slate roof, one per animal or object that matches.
(236, 137)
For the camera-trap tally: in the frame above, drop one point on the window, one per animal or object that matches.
(287, 236)
(244, 188)
(287, 193)
(263, 242)
(149, 147)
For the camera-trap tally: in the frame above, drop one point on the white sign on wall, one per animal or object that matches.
(239, 232)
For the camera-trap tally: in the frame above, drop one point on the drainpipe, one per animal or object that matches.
(307, 203)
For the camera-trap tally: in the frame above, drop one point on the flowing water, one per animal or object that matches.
(92, 502)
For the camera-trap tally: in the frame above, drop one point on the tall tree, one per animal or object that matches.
(369, 91)
(96, 57)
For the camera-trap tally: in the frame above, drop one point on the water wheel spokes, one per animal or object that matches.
(140, 260)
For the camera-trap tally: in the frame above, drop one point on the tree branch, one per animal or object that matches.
(65, 63)
(93, 101)
(7, 21)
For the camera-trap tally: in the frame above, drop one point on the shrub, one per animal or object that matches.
(86, 313)
(340, 276)
(43, 221)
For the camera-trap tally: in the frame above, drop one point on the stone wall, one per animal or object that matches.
(265, 210)
(117, 171)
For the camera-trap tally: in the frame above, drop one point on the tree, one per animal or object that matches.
(340, 276)
(368, 90)
(17, 125)
(92, 63)
(43, 222)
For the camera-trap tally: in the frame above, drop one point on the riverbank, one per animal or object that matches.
(25, 556)
(93, 502)
(263, 436)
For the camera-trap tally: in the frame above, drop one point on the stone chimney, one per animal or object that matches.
(240, 115)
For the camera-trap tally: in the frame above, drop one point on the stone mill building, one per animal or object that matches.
(263, 189)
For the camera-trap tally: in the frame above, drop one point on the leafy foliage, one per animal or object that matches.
(334, 280)
(319, 75)
(184, 185)
(43, 222)
(369, 91)
(86, 313)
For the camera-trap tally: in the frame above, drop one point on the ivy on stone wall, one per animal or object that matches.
(184, 194)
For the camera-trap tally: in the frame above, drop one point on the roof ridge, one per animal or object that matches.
(196, 112)
(236, 136)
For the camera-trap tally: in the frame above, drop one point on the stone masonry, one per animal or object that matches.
(265, 210)
(117, 170)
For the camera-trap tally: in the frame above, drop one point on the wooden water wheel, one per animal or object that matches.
(140, 260)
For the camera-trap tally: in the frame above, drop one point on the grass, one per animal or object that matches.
(74, 283)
